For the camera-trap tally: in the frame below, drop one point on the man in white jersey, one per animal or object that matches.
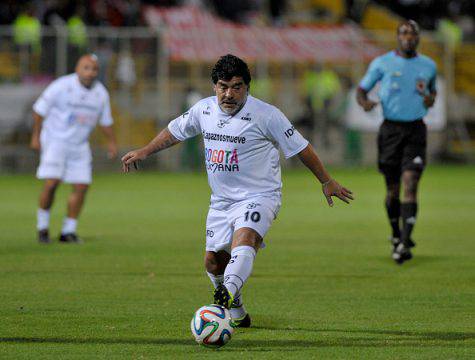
(242, 137)
(64, 116)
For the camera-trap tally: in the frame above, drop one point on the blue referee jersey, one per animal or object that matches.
(404, 82)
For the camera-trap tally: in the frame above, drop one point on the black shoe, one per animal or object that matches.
(70, 238)
(394, 241)
(43, 236)
(244, 322)
(401, 254)
(223, 297)
(410, 243)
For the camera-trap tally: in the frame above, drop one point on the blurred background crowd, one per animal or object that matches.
(307, 57)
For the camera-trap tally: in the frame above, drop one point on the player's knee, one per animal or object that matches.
(51, 185)
(411, 181)
(80, 189)
(247, 237)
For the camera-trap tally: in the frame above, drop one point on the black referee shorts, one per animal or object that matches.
(401, 146)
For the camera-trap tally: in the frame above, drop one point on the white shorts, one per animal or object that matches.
(256, 213)
(70, 163)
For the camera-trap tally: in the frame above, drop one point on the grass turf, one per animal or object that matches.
(325, 287)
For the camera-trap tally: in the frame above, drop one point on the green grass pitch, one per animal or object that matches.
(325, 286)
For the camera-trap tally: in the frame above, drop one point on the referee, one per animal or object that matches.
(407, 89)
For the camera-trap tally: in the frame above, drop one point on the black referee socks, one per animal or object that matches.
(393, 208)
(408, 214)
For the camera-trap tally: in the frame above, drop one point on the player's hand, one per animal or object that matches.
(429, 100)
(369, 105)
(35, 143)
(332, 188)
(132, 158)
(112, 150)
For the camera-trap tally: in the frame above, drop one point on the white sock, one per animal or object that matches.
(239, 268)
(69, 226)
(42, 219)
(216, 279)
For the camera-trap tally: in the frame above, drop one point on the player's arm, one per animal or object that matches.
(108, 132)
(372, 76)
(162, 141)
(330, 187)
(363, 100)
(429, 98)
(35, 135)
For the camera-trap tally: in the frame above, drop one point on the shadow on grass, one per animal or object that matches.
(413, 335)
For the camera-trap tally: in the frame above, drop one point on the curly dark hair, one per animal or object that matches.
(229, 66)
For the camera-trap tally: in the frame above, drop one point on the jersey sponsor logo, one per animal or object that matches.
(247, 117)
(224, 138)
(207, 112)
(218, 160)
(289, 132)
(82, 106)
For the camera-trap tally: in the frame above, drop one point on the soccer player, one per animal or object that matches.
(407, 81)
(64, 116)
(242, 136)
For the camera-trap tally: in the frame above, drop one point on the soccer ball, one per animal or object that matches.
(212, 326)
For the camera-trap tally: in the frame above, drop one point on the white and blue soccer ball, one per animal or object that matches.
(212, 325)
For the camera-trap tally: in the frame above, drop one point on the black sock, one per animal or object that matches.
(393, 208)
(408, 214)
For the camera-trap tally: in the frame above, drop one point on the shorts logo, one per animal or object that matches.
(418, 160)
(221, 160)
(209, 233)
(252, 205)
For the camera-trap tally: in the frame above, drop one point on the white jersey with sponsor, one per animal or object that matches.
(241, 150)
(71, 111)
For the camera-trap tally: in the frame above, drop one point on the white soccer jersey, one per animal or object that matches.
(71, 111)
(241, 151)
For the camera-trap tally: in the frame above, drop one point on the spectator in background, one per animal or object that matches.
(27, 29)
(321, 87)
(276, 10)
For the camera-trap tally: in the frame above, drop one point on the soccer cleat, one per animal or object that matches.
(223, 297)
(70, 238)
(43, 236)
(401, 254)
(410, 243)
(243, 322)
(394, 241)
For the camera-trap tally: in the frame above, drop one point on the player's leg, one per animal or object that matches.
(215, 264)
(43, 213)
(390, 153)
(51, 170)
(75, 204)
(252, 220)
(78, 173)
(393, 206)
(410, 181)
(413, 165)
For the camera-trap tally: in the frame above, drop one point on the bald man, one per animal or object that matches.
(64, 116)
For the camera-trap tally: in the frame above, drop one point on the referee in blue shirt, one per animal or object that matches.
(407, 90)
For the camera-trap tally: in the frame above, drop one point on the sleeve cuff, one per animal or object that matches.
(293, 153)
